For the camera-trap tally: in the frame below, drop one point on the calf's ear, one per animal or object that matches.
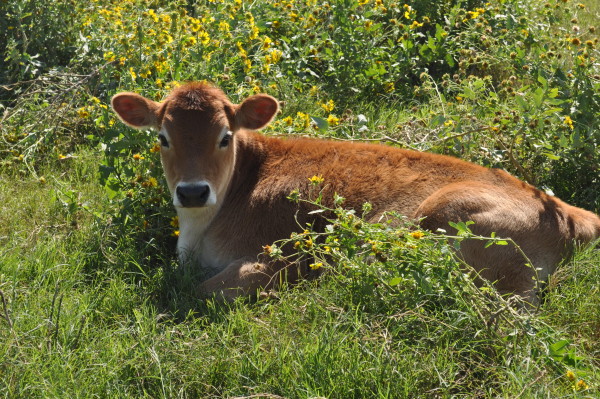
(135, 110)
(256, 112)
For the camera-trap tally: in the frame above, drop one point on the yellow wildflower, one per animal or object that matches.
(415, 24)
(316, 180)
(328, 106)
(155, 148)
(315, 266)
(174, 221)
(190, 41)
(304, 118)
(247, 65)
(253, 32)
(153, 15)
(195, 24)
(165, 18)
(408, 11)
(110, 56)
(152, 182)
(569, 122)
(581, 385)
(417, 234)
(241, 49)
(333, 120)
(137, 157)
(275, 55)
(83, 113)
(204, 38)
(224, 26)
(267, 42)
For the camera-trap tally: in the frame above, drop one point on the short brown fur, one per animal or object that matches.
(253, 175)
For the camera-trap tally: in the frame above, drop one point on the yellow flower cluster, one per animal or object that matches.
(304, 119)
(568, 122)
(328, 106)
(316, 180)
(333, 120)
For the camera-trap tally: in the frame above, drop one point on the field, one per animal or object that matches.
(92, 301)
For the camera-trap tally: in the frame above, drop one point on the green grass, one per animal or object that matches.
(88, 319)
(93, 301)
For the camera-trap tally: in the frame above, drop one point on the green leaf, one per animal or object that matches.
(551, 156)
(462, 227)
(543, 81)
(469, 93)
(522, 103)
(437, 120)
(431, 43)
(558, 349)
(395, 281)
(538, 97)
(320, 122)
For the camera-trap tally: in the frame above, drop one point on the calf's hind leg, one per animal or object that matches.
(509, 214)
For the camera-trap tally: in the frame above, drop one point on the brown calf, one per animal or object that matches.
(229, 187)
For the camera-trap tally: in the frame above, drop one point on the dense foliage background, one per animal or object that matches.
(92, 302)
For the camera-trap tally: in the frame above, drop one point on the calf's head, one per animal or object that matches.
(197, 128)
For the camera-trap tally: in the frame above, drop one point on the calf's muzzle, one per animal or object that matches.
(191, 195)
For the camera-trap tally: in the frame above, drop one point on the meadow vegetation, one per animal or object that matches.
(92, 303)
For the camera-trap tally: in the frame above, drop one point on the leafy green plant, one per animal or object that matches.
(29, 32)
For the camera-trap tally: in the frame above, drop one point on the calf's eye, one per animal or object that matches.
(163, 141)
(225, 140)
